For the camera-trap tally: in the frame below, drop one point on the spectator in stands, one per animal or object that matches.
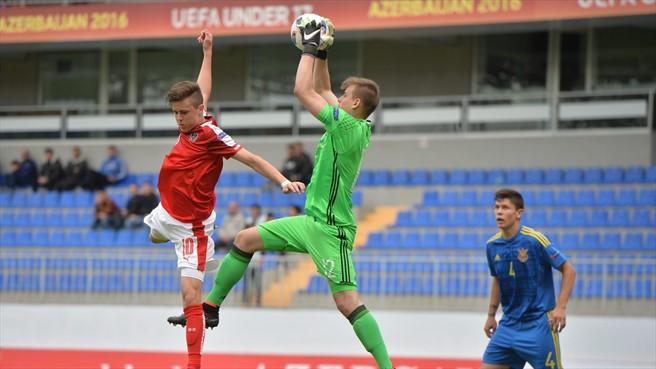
(294, 210)
(113, 168)
(232, 223)
(23, 173)
(77, 172)
(256, 217)
(51, 170)
(298, 165)
(108, 214)
(139, 205)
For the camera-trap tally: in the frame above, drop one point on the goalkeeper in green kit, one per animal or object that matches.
(327, 231)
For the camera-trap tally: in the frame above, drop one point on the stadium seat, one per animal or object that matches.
(460, 218)
(450, 240)
(449, 198)
(496, 177)
(381, 177)
(585, 198)
(476, 177)
(530, 198)
(404, 219)
(35, 199)
(642, 218)
(357, 199)
(441, 218)
(85, 199)
(650, 175)
(6, 218)
(579, 218)
(458, 177)
(38, 219)
(243, 179)
(74, 239)
(439, 177)
(619, 218)
(634, 175)
(599, 218)
(375, 239)
(393, 239)
(573, 176)
(591, 240)
(124, 238)
(564, 198)
(420, 178)
(400, 178)
(57, 238)
(227, 180)
(423, 218)
(647, 197)
(22, 218)
(613, 175)
(67, 199)
(468, 198)
(485, 198)
(553, 176)
(593, 176)
(545, 198)
(19, 199)
(51, 199)
(24, 238)
(481, 218)
(633, 241)
(430, 198)
(470, 240)
(611, 240)
(558, 218)
(626, 197)
(606, 198)
(365, 178)
(570, 241)
(430, 240)
(515, 176)
(5, 199)
(534, 176)
(412, 239)
(258, 180)
(536, 218)
(650, 243)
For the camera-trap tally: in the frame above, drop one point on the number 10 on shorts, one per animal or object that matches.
(188, 245)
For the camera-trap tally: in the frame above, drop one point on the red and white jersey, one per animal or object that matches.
(191, 170)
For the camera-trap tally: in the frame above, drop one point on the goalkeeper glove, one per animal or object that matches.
(311, 38)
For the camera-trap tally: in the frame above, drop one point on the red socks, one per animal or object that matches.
(195, 334)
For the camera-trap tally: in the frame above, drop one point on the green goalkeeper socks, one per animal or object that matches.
(233, 266)
(367, 330)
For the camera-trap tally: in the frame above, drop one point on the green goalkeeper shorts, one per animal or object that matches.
(329, 246)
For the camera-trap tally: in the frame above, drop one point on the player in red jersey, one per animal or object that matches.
(189, 173)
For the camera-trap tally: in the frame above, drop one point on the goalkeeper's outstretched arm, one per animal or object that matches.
(322, 79)
(205, 75)
(304, 86)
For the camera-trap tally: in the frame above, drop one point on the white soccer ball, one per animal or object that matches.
(327, 30)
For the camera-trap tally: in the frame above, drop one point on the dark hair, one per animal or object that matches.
(365, 89)
(510, 194)
(48, 150)
(183, 90)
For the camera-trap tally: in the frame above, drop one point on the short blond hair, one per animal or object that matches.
(366, 90)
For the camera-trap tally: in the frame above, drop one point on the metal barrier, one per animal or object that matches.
(602, 109)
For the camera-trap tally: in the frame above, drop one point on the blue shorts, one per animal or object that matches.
(516, 342)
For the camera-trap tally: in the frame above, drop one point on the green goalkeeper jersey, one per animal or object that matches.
(336, 166)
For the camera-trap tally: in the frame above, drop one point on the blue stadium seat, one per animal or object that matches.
(634, 175)
(90, 238)
(619, 218)
(485, 198)
(647, 197)
(613, 175)
(38, 219)
(67, 199)
(375, 239)
(51, 199)
(85, 199)
(54, 218)
(476, 177)
(400, 178)
(545, 198)
(496, 177)
(71, 219)
(481, 218)
(593, 176)
(35, 199)
(420, 177)
(585, 198)
(423, 218)
(5, 199)
(86, 217)
(412, 239)
(553, 176)
(570, 241)
(24, 238)
(449, 198)
(441, 218)
(243, 179)
(579, 218)
(460, 218)
(357, 198)
(439, 177)
(57, 238)
(606, 198)
(430, 198)
(536, 217)
(458, 177)
(468, 198)
(470, 240)
(558, 218)
(599, 218)
(611, 240)
(258, 180)
(22, 218)
(642, 218)
(6, 218)
(626, 197)
(393, 239)
(430, 240)
(565, 198)
(530, 198)
(41, 238)
(633, 241)
(365, 178)
(534, 176)
(74, 239)
(650, 175)
(573, 176)
(450, 240)
(124, 238)
(404, 219)
(591, 240)
(515, 176)
(227, 179)
(7, 238)
(19, 199)
(381, 178)
(650, 243)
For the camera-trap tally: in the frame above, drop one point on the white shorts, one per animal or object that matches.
(193, 242)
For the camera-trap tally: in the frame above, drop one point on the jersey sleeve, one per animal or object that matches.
(490, 261)
(219, 142)
(346, 131)
(550, 254)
